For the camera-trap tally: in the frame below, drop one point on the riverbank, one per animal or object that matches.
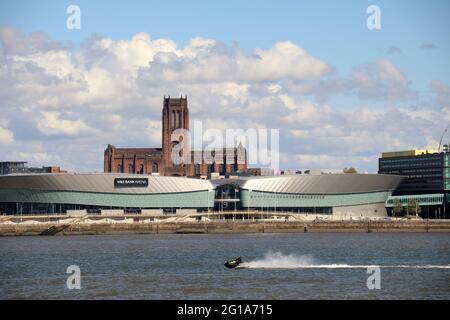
(223, 227)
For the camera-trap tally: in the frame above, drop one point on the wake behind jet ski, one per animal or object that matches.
(233, 263)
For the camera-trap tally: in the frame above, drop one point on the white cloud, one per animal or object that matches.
(206, 61)
(381, 80)
(154, 129)
(111, 91)
(6, 136)
(51, 124)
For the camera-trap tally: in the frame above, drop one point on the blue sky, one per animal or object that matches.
(332, 31)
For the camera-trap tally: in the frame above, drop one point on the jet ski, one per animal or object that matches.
(233, 263)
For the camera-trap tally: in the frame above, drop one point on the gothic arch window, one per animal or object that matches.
(119, 168)
(130, 168)
(197, 169)
(176, 119)
(155, 167)
(173, 120)
(141, 169)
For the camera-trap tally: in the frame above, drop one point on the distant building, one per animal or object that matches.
(258, 172)
(20, 167)
(336, 196)
(158, 161)
(426, 178)
(133, 160)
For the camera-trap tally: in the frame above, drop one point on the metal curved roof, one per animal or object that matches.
(324, 184)
(103, 183)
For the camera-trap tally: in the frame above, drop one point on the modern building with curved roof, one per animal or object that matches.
(62, 192)
(338, 194)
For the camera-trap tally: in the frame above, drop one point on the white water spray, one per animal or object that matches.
(278, 260)
(272, 260)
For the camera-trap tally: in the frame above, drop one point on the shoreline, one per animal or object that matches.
(225, 227)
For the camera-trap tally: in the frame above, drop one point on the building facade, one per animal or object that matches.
(133, 160)
(339, 196)
(175, 116)
(426, 179)
(16, 167)
(59, 193)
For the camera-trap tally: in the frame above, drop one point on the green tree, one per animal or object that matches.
(398, 208)
(413, 207)
(349, 170)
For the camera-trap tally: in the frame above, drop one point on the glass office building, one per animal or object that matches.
(426, 179)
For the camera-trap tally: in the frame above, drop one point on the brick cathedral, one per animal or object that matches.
(175, 115)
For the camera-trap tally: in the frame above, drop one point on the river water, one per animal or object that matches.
(279, 266)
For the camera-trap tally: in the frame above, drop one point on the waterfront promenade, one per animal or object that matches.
(137, 224)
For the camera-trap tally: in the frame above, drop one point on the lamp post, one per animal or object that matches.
(209, 191)
(235, 202)
(275, 203)
(262, 212)
(444, 206)
(248, 206)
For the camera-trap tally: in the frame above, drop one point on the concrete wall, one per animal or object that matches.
(152, 212)
(112, 212)
(76, 213)
(372, 210)
(186, 211)
(231, 227)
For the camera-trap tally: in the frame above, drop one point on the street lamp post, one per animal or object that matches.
(262, 212)
(235, 202)
(275, 203)
(248, 206)
(209, 191)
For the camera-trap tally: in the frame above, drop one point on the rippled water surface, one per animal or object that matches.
(279, 266)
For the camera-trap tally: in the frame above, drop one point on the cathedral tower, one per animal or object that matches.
(175, 115)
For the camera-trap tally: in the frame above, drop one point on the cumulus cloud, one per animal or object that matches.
(111, 91)
(6, 136)
(381, 80)
(51, 124)
(15, 43)
(206, 61)
(442, 93)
